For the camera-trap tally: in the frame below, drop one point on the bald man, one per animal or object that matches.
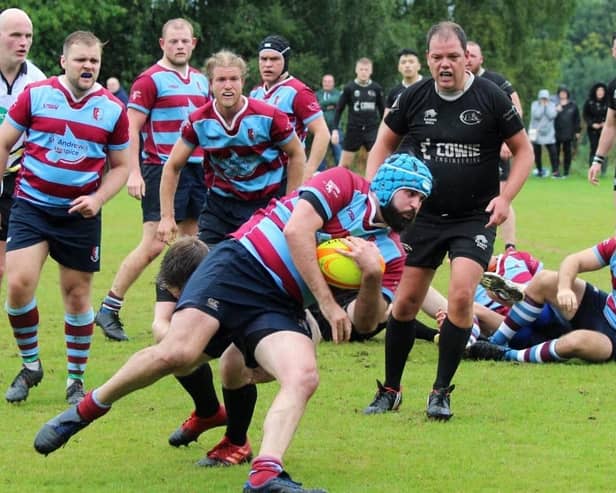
(17, 72)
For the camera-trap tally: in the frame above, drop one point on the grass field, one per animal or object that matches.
(531, 428)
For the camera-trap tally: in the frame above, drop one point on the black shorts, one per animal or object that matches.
(189, 196)
(74, 241)
(221, 216)
(504, 168)
(234, 288)
(356, 137)
(430, 237)
(344, 297)
(6, 201)
(590, 316)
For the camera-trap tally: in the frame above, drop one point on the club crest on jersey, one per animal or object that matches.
(251, 134)
(430, 117)
(97, 114)
(94, 254)
(470, 117)
(332, 188)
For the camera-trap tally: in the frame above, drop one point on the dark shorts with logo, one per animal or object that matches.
(356, 137)
(432, 237)
(221, 216)
(74, 241)
(189, 196)
(234, 288)
(6, 202)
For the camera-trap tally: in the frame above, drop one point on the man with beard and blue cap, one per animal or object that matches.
(251, 290)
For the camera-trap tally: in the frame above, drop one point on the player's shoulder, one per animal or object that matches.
(259, 106)
(33, 73)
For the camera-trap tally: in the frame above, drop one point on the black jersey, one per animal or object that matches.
(394, 93)
(500, 81)
(611, 95)
(365, 105)
(458, 140)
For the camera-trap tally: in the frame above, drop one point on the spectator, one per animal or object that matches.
(328, 97)
(608, 132)
(542, 132)
(113, 85)
(594, 112)
(567, 129)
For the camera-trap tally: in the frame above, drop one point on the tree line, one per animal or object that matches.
(535, 44)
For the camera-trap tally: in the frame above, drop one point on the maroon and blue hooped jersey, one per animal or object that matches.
(296, 99)
(167, 99)
(66, 142)
(606, 254)
(349, 209)
(242, 159)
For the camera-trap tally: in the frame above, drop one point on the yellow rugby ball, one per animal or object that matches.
(338, 270)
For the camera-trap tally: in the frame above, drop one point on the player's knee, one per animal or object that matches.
(305, 380)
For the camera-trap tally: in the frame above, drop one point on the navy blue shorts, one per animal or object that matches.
(74, 241)
(6, 202)
(221, 216)
(234, 288)
(590, 316)
(431, 237)
(189, 196)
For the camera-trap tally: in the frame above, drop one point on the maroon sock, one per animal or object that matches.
(263, 469)
(89, 410)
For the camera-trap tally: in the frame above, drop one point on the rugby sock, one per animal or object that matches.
(240, 404)
(541, 353)
(451, 345)
(399, 340)
(112, 303)
(25, 322)
(90, 408)
(422, 331)
(475, 333)
(200, 386)
(78, 330)
(263, 469)
(523, 313)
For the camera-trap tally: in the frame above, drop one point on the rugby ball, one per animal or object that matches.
(338, 270)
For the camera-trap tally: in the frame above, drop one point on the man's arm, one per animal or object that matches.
(386, 143)
(163, 310)
(521, 165)
(603, 148)
(111, 184)
(574, 264)
(369, 307)
(9, 135)
(169, 179)
(135, 184)
(300, 234)
(296, 164)
(320, 142)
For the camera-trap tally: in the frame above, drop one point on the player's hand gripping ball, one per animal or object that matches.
(339, 270)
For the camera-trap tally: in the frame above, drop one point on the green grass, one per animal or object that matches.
(516, 427)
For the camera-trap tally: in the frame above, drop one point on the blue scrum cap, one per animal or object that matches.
(401, 171)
